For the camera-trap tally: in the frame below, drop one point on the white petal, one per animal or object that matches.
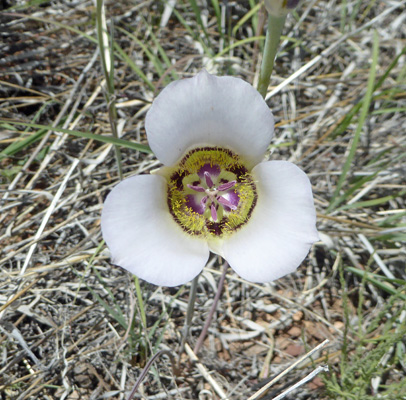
(282, 227)
(144, 239)
(210, 111)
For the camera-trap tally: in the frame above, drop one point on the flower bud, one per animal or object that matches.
(280, 8)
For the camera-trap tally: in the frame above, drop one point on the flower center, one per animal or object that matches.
(210, 192)
(214, 195)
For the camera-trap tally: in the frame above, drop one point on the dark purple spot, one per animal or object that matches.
(216, 228)
(233, 197)
(177, 179)
(197, 207)
(210, 169)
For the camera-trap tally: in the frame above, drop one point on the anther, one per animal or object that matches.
(196, 188)
(226, 203)
(226, 186)
(208, 179)
(213, 212)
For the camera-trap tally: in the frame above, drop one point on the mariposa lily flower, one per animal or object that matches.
(280, 8)
(213, 192)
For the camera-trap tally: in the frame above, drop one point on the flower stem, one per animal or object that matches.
(273, 34)
(212, 310)
(189, 316)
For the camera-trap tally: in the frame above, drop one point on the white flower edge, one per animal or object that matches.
(282, 227)
(144, 239)
(207, 110)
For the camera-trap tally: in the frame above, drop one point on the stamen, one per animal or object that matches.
(196, 188)
(203, 201)
(209, 182)
(226, 203)
(226, 186)
(213, 212)
(222, 181)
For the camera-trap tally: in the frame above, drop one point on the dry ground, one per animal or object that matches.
(72, 326)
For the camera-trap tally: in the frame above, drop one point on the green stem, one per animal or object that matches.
(273, 34)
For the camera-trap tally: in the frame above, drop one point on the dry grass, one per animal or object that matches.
(71, 325)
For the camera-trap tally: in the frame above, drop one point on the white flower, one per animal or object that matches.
(213, 193)
(280, 8)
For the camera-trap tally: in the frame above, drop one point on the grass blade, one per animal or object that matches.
(105, 139)
(364, 113)
(373, 278)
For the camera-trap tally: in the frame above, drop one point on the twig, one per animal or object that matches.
(205, 373)
(148, 366)
(38, 239)
(44, 222)
(301, 382)
(48, 213)
(265, 388)
(376, 257)
(68, 102)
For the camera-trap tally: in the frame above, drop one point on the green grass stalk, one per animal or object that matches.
(105, 139)
(364, 113)
(138, 292)
(107, 57)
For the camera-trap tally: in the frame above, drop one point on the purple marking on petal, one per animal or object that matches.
(213, 212)
(232, 197)
(195, 187)
(226, 203)
(211, 169)
(226, 186)
(209, 181)
(194, 205)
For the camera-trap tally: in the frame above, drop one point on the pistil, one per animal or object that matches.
(212, 194)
